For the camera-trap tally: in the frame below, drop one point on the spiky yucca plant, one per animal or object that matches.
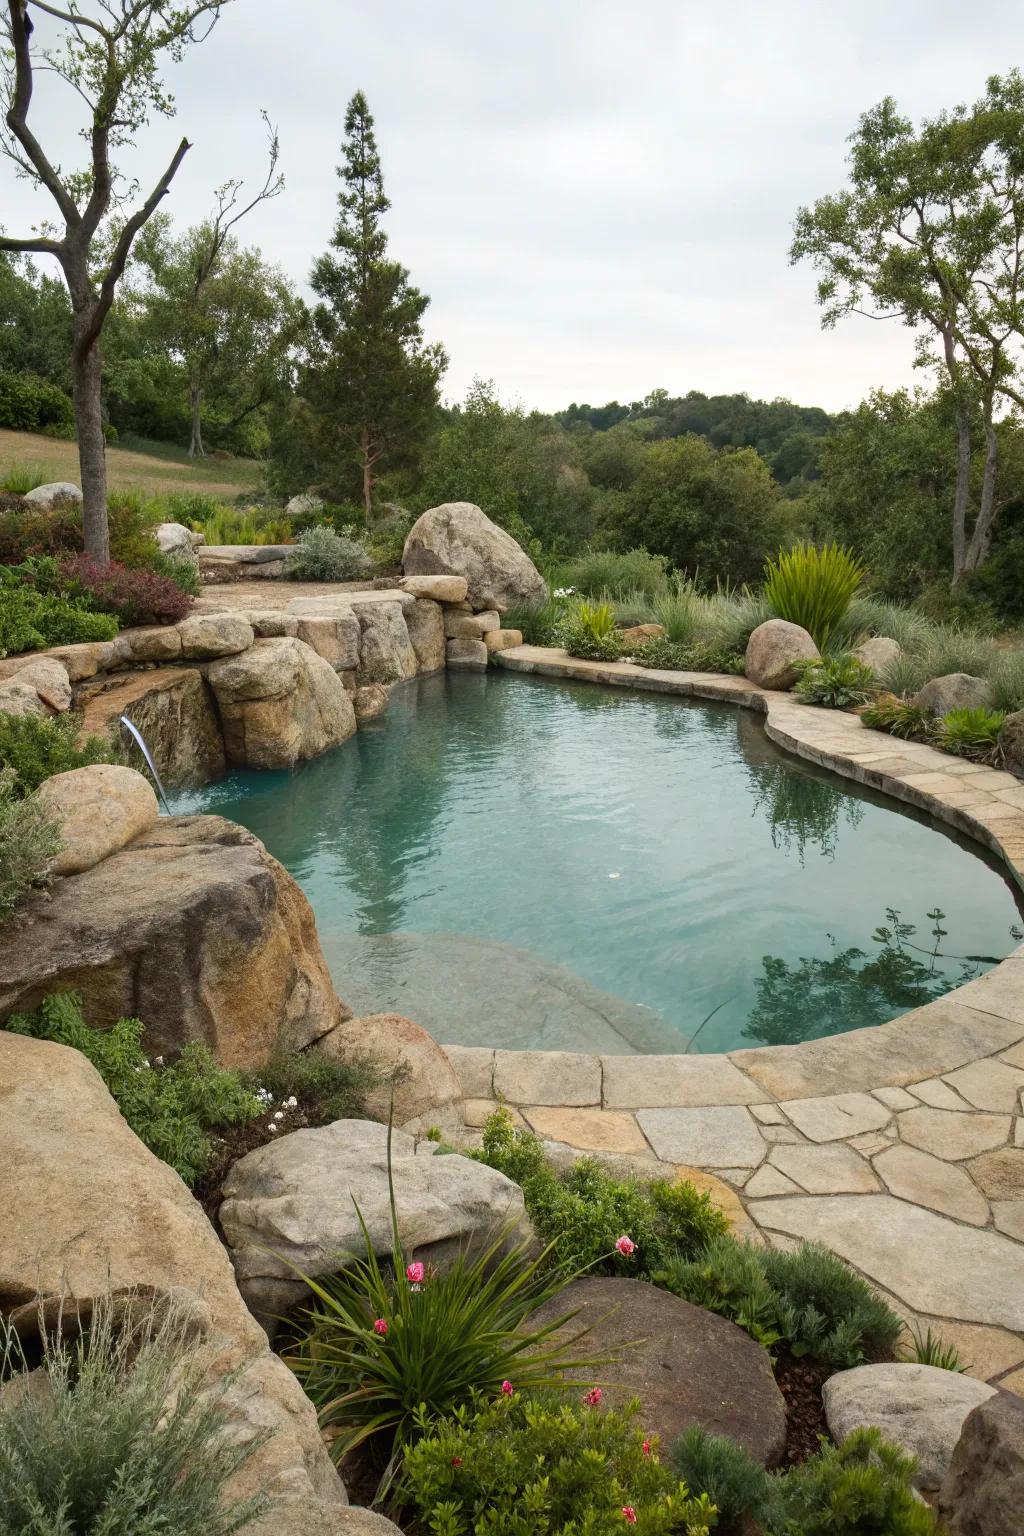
(813, 587)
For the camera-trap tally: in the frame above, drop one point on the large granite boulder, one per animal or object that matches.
(86, 1209)
(205, 636)
(957, 690)
(17, 698)
(48, 496)
(336, 638)
(466, 655)
(425, 622)
(920, 1408)
(442, 589)
(387, 653)
(100, 809)
(173, 708)
(457, 539)
(1011, 743)
(192, 928)
(982, 1494)
(280, 703)
(418, 1088)
(49, 677)
(773, 652)
(292, 1206)
(878, 653)
(686, 1366)
(178, 541)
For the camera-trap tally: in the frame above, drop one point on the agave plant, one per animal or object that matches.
(813, 587)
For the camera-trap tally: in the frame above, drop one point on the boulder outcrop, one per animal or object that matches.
(419, 1086)
(279, 704)
(48, 496)
(173, 708)
(458, 539)
(100, 809)
(982, 1494)
(386, 654)
(192, 928)
(956, 690)
(424, 620)
(291, 1206)
(878, 653)
(773, 651)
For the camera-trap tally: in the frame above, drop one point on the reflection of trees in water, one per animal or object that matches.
(853, 988)
(801, 810)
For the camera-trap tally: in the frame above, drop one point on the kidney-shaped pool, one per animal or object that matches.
(521, 862)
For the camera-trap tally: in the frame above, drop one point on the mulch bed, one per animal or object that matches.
(800, 1382)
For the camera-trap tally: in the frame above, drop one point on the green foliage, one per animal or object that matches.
(538, 623)
(171, 1108)
(327, 1089)
(125, 1435)
(30, 837)
(813, 587)
(31, 620)
(323, 555)
(387, 1350)
(581, 1213)
(809, 1299)
(1007, 681)
(928, 1349)
(231, 525)
(861, 1488)
(837, 682)
(970, 733)
(900, 717)
(736, 1484)
(19, 479)
(603, 573)
(588, 630)
(535, 1466)
(698, 656)
(30, 404)
(33, 748)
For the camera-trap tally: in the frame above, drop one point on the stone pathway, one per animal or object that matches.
(900, 1147)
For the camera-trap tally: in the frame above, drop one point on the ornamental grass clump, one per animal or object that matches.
(813, 587)
(970, 733)
(536, 1465)
(118, 1433)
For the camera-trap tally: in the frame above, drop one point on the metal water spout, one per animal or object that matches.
(136, 736)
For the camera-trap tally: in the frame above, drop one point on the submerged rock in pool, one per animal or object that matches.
(470, 991)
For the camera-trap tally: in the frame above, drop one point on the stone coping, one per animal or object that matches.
(900, 1146)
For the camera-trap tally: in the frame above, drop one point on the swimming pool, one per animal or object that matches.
(526, 862)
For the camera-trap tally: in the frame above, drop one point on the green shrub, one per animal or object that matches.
(231, 525)
(328, 1090)
(836, 682)
(388, 1350)
(534, 1466)
(581, 1213)
(809, 1298)
(127, 1439)
(32, 620)
(31, 404)
(588, 630)
(30, 837)
(861, 1488)
(736, 1484)
(34, 748)
(171, 1108)
(813, 587)
(698, 656)
(900, 717)
(826, 1310)
(602, 572)
(538, 623)
(970, 733)
(323, 555)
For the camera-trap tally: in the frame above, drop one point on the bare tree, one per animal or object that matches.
(108, 51)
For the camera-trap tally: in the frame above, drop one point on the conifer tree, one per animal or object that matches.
(373, 380)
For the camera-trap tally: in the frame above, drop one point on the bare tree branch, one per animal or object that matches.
(17, 115)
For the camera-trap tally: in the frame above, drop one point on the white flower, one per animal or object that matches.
(292, 1103)
(271, 1127)
(278, 1114)
(564, 592)
(159, 1061)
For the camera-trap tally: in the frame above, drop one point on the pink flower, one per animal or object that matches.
(625, 1245)
(507, 1388)
(456, 1461)
(415, 1273)
(629, 1514)
(380, 1326)
(646, 1447)
(593, 1397)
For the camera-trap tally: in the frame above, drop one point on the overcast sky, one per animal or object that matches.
(597, 196)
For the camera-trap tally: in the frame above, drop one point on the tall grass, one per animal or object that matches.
(19, 479)
(813, 587)
(231, 525)
(604, 573)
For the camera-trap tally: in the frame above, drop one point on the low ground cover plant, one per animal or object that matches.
(321, 554)
(899, 717)
(588, 630)
(30, 838)
(835, 682)
(808, 1299)
(34, 747)
(126, 1439)
(970, 733)
(694, 656)
(538, 1465)
(813, 587)
(139, 596)
(583, 1212)
(31, 620)
(729, 1477)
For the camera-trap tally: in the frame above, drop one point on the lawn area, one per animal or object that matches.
(156, 468)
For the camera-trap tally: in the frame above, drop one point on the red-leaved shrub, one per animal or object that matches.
(135, 596)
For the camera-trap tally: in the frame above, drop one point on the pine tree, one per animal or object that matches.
(373, 380)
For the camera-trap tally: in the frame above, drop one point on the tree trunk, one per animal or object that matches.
(92, 447)
(195, 396)
(963, 488)
(367, 479)
(981, 538)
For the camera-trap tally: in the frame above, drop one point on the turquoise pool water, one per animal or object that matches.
(516, 861)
